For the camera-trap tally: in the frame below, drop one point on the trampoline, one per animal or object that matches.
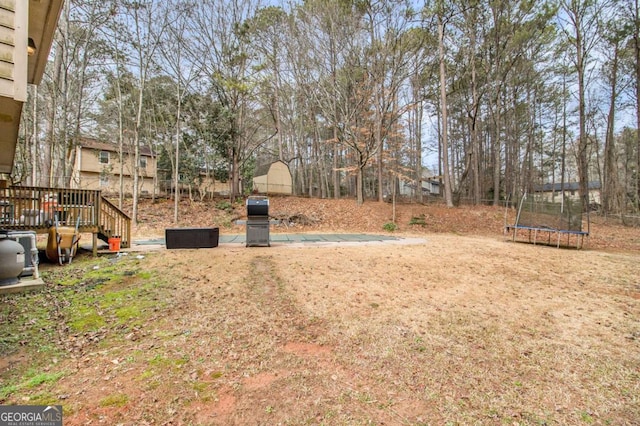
(539, 221)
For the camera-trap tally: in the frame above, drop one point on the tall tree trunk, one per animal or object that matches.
(636, 45)
(334, 106)
(236, 191)
(276, 107)
(64, 90)
(563, 157)
(610, 192)
(417, 135)
(473, 117)
(379, 144)
(34, 138)
(448, 195)
(360, 184)
(176, 174)
(336, 172)
(75, 136)
(235, 174)
(120, 143)
(583, 164)
(50, 163)
(136, 154)
(495, 149)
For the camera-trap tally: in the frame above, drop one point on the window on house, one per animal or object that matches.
(143, 162)
(104, 157)
(104, 179)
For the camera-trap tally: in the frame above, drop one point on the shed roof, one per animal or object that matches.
(263, 169)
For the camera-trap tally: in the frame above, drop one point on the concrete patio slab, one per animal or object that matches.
(293, 240)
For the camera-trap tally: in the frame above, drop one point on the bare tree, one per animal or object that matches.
(180, 67)
(582, 31)
(149, 21)
(225, 54)
(444, 136)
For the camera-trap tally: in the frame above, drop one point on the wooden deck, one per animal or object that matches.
(38, 208)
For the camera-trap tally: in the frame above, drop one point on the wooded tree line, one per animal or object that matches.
(494, 97)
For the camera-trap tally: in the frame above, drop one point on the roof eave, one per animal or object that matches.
(43, 20)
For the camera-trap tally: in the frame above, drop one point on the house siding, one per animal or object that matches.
(14, 18)
(552, 193)
(210, 186)
(90, 173)
(111, 185)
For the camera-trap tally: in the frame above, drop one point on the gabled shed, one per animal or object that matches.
(274, 178)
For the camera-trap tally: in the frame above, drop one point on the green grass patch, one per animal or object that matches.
(41, 378)
(26, 323)
(390, 227)
(127, 313)
(32, 381)
(69, 281)
(44, 398)
(159, 361)
(418, 220)
(144, 275)
(203, 391)
(147, 374)
(225, 206)
(94, 294)
(86, 319)
(5, 391)
(115, 400)
(164, 362)
(181, 361)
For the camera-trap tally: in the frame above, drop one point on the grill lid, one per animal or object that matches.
(257, 206)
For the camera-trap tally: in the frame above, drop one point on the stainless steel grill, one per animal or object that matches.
(257, 221)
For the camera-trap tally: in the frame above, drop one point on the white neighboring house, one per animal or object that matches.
(551, 192)
(430, 185)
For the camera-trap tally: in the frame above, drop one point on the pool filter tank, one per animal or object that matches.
(11, 259)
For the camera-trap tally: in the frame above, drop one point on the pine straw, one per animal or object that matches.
(345, 215)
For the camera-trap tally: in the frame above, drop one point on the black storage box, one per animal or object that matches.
(183, 238)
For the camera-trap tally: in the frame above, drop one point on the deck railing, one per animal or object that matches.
(115, 223)
(39, 208)
(28, 207)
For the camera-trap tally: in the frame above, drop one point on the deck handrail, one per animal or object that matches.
(38, 208)
(114, 222)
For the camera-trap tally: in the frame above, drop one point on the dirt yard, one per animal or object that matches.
(459, 328)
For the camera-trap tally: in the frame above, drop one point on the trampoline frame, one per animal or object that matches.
(533, 231)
